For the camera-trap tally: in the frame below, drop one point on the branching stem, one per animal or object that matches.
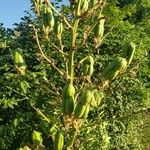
(72, 50)
(42, 53)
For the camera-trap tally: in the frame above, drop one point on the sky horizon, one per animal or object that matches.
(11, 11)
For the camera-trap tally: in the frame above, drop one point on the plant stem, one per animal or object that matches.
(42, 53)
(72, 50)
(72, 140)
(39, 112)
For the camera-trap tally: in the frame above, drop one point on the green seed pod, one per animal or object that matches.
(91, 70)
(18, 59)
(86, 112)
(37, 138)
(59, 141)
(79, 110)
(84, 6)
(88, 66)
(98, 97)
(19, 62)
(48, 18)
(117, 66)
(70, 90)
(59, 29)
(129, 52)
(77, 8)
(93, 101)
(86, 97)
(68, 99)
(68, 105)
(99, 28)
(99, 32)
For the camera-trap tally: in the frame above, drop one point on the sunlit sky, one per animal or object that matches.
(12, 10)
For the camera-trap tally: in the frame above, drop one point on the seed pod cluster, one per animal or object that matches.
(48, 18)
(88, 66)
(99, 32)
(37, 138)
(68, 99)
(116, 67)
(79, 7)
(37, 6)
(129, 52)
(19, 62)
(59, 141)
(83, 107)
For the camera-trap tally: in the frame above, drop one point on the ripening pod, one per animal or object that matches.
(99, 32)
(19, 62)
(81, 7)
(99, 95)
(37, 138)
(119, 65)
(48, 19)
(59, 141)
(88, 66)
(129, 52)
(59, 29)
(84, 6)
(86, 112)
(18, 59)
(68, 99)
(122, 64)
(86, 97)
(88, 69)
(79, 110)
(69, 90)
(68, 105)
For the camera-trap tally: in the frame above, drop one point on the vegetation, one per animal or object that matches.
(76, 77)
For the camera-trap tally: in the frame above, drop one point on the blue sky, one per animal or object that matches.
(12, 10)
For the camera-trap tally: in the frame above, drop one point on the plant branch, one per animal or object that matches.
(41, 114)
(60, 50)
(110, 30)
(42, 53)
(72, 50)
(59, 14)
